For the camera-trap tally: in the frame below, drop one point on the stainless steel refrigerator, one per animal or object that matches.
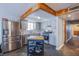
(11, 38)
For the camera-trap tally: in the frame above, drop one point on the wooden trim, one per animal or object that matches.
(41, 6)
(65, 32)
(46, 8)
(62, 11)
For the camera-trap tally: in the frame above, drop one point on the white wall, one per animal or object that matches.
(60, 35)
(13, 11)
(0, 31)
(57, 35)
(52, 36)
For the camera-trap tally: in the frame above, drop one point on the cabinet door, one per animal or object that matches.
(52, 39)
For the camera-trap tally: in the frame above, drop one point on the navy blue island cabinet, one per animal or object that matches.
(35, 47)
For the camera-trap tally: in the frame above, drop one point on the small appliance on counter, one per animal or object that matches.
(35, 46)
(46, 36)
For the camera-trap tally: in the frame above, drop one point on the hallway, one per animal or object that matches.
(71, 48)
(69, 51)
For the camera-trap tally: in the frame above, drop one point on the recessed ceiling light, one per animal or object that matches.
(69, 15)
(38, 17)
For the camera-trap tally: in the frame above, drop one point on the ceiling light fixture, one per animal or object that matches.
(38, 17)
(69, 15)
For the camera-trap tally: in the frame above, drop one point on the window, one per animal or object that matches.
(30, 26)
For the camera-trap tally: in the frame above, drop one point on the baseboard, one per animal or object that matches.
(58, 48)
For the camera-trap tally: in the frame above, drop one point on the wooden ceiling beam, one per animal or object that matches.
(41, 6)
(62, 11)
(46, 8)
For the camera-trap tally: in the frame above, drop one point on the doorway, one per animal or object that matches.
(72, 30)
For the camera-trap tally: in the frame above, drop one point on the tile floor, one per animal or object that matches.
(48, 51)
